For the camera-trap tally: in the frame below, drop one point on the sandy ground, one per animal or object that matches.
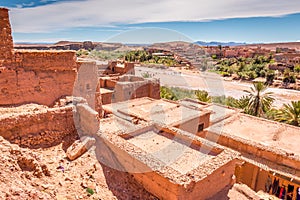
(66, 179)
(213, 83)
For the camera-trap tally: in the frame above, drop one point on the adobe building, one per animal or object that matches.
(116, 68)
(265, 157)
(163, 112)
(122, 88)
(174, 150)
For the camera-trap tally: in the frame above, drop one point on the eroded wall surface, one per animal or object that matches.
(33, 76)
(40, 128)
(6, 43)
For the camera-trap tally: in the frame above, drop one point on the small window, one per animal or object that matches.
(200, 127)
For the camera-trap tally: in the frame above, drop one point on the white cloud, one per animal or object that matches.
(91, 13)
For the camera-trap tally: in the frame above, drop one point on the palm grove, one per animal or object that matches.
(256, 102)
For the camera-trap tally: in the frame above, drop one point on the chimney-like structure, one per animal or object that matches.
(6, 42)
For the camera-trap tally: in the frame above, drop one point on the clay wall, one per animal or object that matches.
(106, 98)
(33, 76)
(204, 189)
(6, 43)
(46, 60)
(87, 84)
(38, 77)
(40, 128)
(253, 149)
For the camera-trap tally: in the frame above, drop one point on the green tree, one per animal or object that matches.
(297, 68)
(260, 101)
(202, 95)
(167, 93)
(290, 113)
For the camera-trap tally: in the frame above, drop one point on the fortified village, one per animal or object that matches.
(73, 130)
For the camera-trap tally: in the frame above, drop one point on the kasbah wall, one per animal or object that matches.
(33, 76)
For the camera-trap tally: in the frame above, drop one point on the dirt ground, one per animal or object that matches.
(213, 84)
(48, 174)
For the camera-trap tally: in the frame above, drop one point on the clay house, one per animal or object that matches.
(173, 150)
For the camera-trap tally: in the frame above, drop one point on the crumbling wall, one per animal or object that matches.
(33, 76)
(87, 85)
(6, 43)
(46, 60)
(38, 77)
(40, 128)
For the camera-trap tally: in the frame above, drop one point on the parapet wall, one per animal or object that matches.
(46, 60)
(40, 128)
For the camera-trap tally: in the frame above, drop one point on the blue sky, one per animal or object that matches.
(141, 21)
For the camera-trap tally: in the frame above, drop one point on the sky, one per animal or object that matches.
(141, 21)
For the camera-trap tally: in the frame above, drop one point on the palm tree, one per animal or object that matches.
(202, 95)
(290, 113)
(260, 101)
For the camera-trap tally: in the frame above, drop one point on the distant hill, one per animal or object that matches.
(273, 46)
(201, 43)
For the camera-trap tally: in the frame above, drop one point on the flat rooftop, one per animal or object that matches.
(159, 111)
(217, 112)
(116, 125)
(173, 153)
(274, 135)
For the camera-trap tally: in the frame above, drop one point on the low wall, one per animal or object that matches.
(42, 87)
(257, 150)
(41, 128)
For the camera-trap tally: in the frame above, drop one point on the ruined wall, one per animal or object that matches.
(38, 77)
(87, 84)
(33, 76)
(40, 128)
(6, 43)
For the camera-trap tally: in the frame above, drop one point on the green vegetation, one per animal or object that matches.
(258, 102)
(203, 96)
(147, 58)
(90, 191)
(106, 55)
(167, 93)
(82, 53)
(290, 113)
(245, 68)
(146, 75)
(297, 68)
(101, 55)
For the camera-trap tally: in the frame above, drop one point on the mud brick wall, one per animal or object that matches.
(6, 42)
(46, 60)
(38, 77)
(41, 128)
